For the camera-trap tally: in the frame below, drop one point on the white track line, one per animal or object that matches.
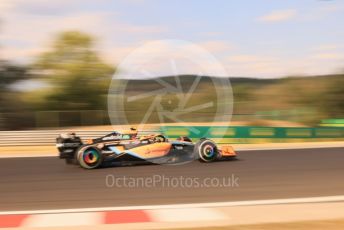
(339, 198)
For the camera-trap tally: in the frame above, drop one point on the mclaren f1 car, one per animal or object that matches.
(130, 148)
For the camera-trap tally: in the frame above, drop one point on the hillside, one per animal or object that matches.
(300, 99)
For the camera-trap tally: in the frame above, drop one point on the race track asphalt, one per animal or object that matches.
(47, 183)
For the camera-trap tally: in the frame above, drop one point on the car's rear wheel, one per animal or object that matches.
(90, 157)
(205, 150)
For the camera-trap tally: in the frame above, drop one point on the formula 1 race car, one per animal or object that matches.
(129, 148)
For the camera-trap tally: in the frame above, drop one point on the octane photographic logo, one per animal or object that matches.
(170, 83)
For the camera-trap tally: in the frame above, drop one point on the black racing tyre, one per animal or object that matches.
(205, 150)
(89, 157)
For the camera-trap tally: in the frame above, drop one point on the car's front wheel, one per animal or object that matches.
(205, 150)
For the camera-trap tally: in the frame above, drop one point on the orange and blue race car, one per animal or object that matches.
(127, 148)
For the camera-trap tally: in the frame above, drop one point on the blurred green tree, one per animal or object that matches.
(78, 78)
(10, 102)
(9, 75)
